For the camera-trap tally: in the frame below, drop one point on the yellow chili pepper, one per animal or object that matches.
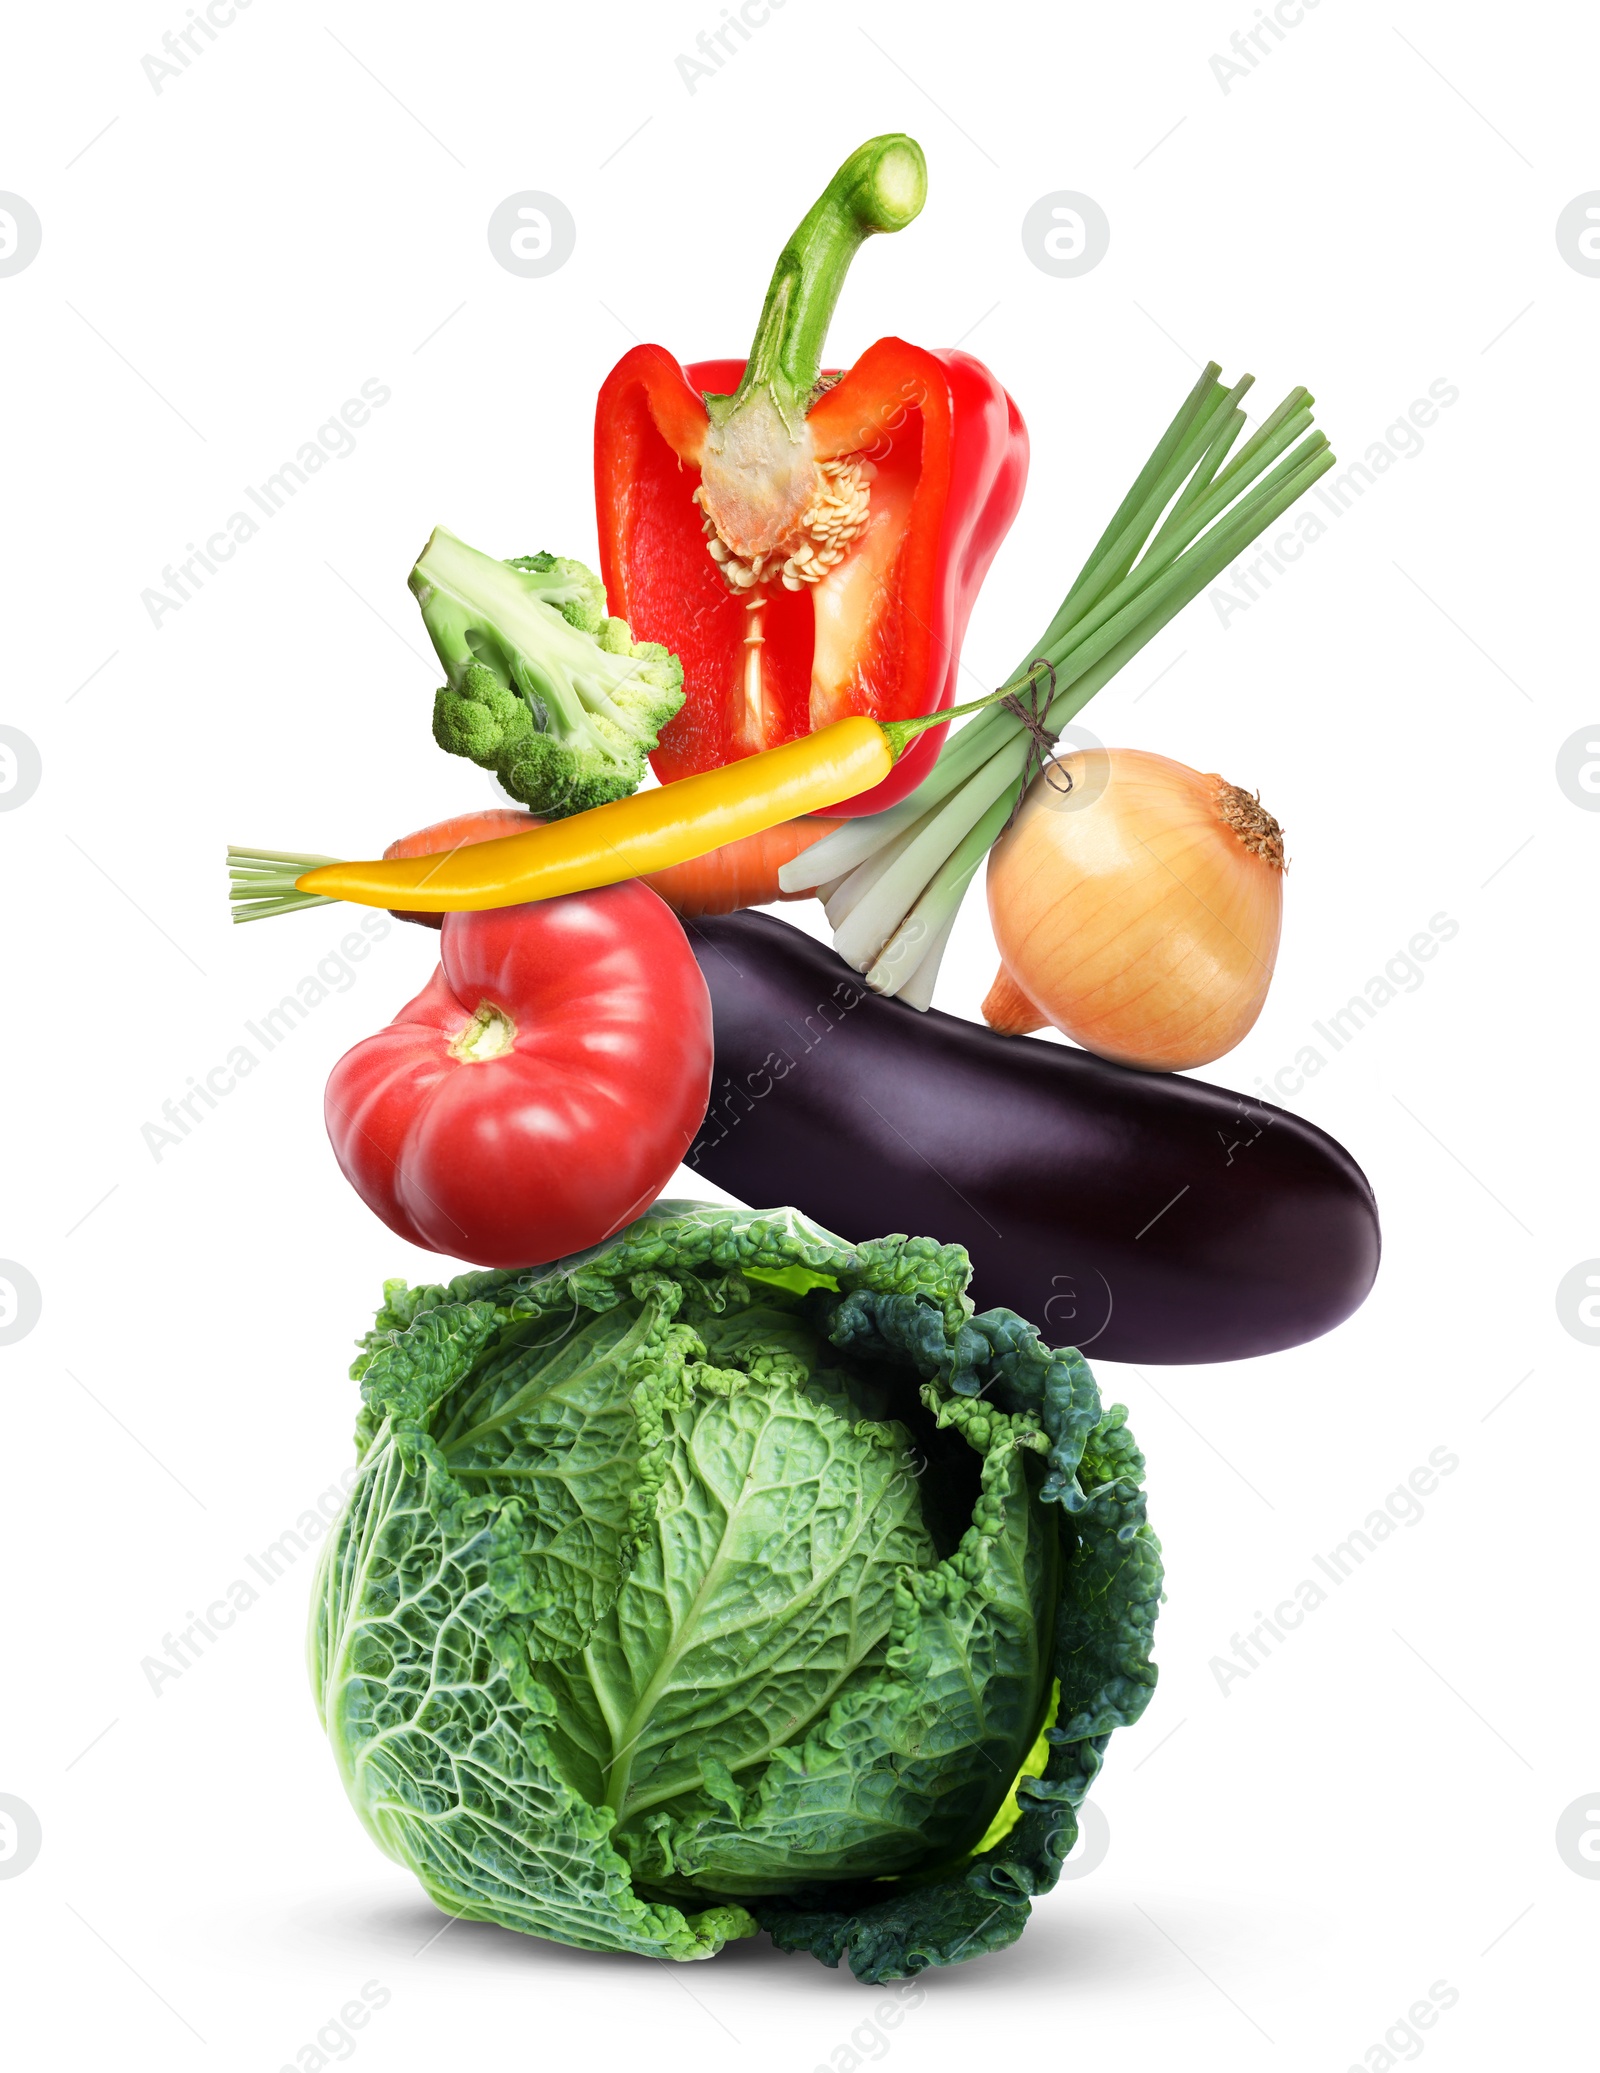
(629, 838)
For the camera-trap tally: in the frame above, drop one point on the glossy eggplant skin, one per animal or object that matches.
(1139, 1216)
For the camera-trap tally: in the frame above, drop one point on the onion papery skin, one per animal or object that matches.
(1134, 917)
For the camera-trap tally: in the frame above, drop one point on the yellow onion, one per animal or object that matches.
(1138, 912)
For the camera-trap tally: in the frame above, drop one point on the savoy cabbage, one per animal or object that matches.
(729, 1577)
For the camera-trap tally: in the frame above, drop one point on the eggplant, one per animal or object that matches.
(1144, 1216)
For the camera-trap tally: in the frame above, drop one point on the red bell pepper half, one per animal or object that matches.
(538, 1093)
(809, 545)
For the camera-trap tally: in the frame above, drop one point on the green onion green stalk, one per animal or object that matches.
(892, 882)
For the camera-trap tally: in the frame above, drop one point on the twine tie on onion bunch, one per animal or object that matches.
(1042, 740)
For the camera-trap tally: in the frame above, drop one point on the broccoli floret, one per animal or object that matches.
(576, 592)
(543, 686)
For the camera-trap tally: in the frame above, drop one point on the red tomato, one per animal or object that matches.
(538, 1093)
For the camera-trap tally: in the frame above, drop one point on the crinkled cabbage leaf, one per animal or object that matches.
(728, 1576)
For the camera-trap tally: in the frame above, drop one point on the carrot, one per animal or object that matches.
(739, 874)
(486, 826)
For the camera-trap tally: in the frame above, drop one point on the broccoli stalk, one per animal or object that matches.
(543, 687)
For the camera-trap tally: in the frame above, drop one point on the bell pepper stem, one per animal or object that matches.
(880, 187)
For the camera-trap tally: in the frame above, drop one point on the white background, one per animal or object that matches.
(1369, 210)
